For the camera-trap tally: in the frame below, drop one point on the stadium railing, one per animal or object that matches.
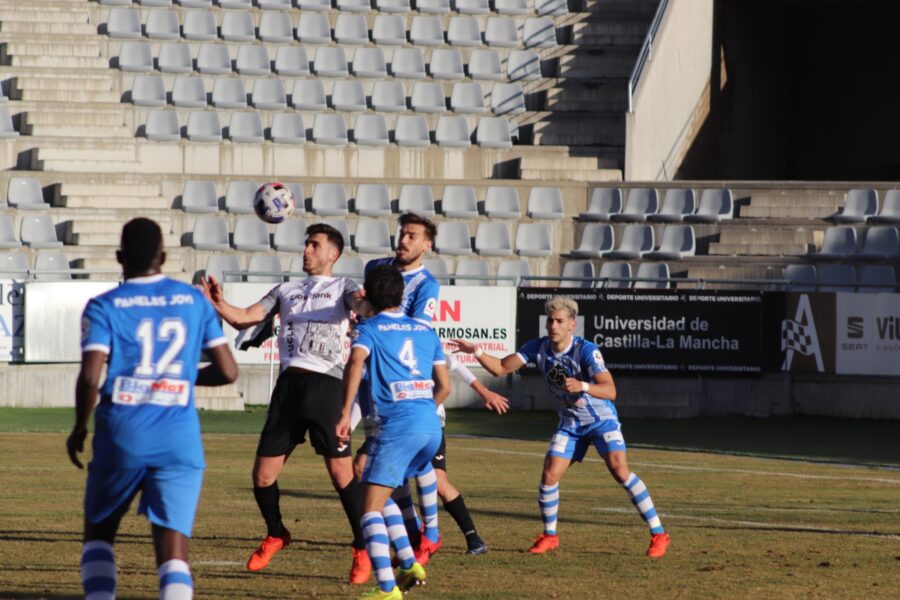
(646, 52)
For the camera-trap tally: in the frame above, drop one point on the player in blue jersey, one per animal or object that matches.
(584, 392)
(406, 377)
(150, 332)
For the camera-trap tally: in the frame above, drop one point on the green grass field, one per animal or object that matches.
(820, 521)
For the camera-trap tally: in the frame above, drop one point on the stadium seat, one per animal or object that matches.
(533, 239)
(438, 268)
(204, 126)
(292, 61)
(210, 233)
(411, 130)
(511, 7)
(859, 205)
(393, 6)
(463, 31)
(349, 266)
(640, 203)
(467, 98)
(500, 32)
(330, 130)
(239, 197)
(290, 236)
(238, 4)
(308, 94)
(637, 240)
(616, 275)
(545, 203)
(24, 193)
(425, 30)
(416, 199)
(372, 200)
(199, 196)
(881, 241)
(267, 267)
(51, 266)
(317, 5)
(348, 96)
(123, 23)
(288, 128)
(388, 30)
(252, 60)
(523, 65)
(246, 128)
(837, 278)
(370, 63)
(876, 279)
(446, 63)
(493, 132)
(372, 237)
(330, 199)
(512, 268)
(452, 132)
(433, 6)
(341, 226)
(502, 203)
(657, 274)
(269, 94)
(7, 129)
(539, 32)
(219, 264)
(507, 99)
(453, 238)
(162, 126)
(459, 202)
(580, 272)
(493, 239)
(189, 92)
(14, 265)
(135, 57)
(677, 204)
(485, 65)
(388, 96)
(250, 235)
(603, 203)
(175, 58)
(839, 242)
(551, 7)
(408, 63)
(473, 272)
(213, 59)
(115, 2)
(199, 26)
(8, 237)
(351, 29)
(472, 7)
(331, 62)
(229, 92)
(354, 5)
(162, 25)
(148, 90)
(890, 209)
(800, 278)
(715, 205)
(596, 240)
(677, 242)
(370, 130)
(238, 27)
(428, 97)
(195, 3)
(276, 28)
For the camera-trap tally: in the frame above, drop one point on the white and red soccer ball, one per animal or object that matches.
(274, 202)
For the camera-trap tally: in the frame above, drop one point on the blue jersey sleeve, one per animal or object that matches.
(362, 338)
(212, 330)
(423, 305)
(592, 359)
(529, 351)
(96, 330)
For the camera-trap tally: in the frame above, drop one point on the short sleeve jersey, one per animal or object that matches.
(420, 291)
(581, 360)
(401, 353)
(315, 315)
(152, 330)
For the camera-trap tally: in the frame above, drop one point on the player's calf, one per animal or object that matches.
(98, 570)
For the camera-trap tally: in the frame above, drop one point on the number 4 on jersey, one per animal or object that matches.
(408, 356)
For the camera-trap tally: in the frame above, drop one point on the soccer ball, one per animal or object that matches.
(273, 202)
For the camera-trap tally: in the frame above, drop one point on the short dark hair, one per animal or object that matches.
(334, 236)
(141, 244)
(384, 287)
(411, 218)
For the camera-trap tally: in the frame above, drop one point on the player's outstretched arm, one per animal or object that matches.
(492, 400)
(239, 318)
(86, 388)
(602, 386)
(222, 369)
(352, 376)
(494, 365)
(442, 386)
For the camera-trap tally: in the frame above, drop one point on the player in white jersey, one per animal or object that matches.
(584, 392)
(313, 347)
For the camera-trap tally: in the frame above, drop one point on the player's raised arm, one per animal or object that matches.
(495, 366)
(87, 387)
(352, 377)
(492, 400)
(239, 318)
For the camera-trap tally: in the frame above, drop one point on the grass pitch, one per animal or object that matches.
(743, 525)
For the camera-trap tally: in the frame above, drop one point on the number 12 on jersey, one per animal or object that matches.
(170, 330)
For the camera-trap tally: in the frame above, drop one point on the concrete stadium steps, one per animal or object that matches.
(766, 239)
(794, 204)
(40, 28)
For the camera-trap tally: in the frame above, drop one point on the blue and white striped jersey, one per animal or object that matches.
(420, 292)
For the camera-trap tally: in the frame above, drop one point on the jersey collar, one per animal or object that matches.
(394, 314)
(147, 279)
(566, 351)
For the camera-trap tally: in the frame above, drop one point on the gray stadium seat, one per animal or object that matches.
(246, 127)
(428, 97)
(388, 96)
(252, 60)
(485, 65)
(199, 25)
(162, 25)
(238, 27)
(637, 240)
(677, 204)
(313, 28)
(349, 266)
(369, 62)
(24, 193)
(881, 241)
(135, 57)
(290, 236)
(388, 30)
(859, 205)
(603, 203)
(239, 197)
(331, 62)
(354, 5)
(416, 199)
(502, 203)
(268, 268)
(308, 94)
(438, 268)
(341, 226)
(372, 237)
(370, 130)
(123, 23)
(640, 203)
(408, 63)
(446, 63)
(551, 7)
(677, 242)
(500, 32)
(890, 208)
(318, 5)
(51, 266)
(463, 31)
(213, 59)
(219, 264)
(195, 3)
(581, 272)
(801, 278)
(452, 132)
(189, 92)
(162, 126)
(14, 265)
(372, 200)
(239, 4)
(269, 94)
(658, 273)
(473, 272)
(348, 95)
(276, 28)
(839, 242)
(453, 238)
(115, 2)
(292, 61)
(425, 30)
(267, 5)
(229, 92)
(7, 129)
(715, 205)
(533, 239)
(837, 278)
(493, 132)
(545, 203)
(507, 99)
(512, 268)
(493, 239)
(175, 58)
(330, 130)
(511, 7)
(351, 29)
(523, 65)
(330, 199)
(616, 275)
(876, 279)
(148, 90)
(393, 6)
(412, 131)
(596, 240)
(472, 7)
(250, 235)
(539, 32)
(199, 196)
(459, 202)
(433, 6)
(467, 98)
(38, 231)
(8, 237)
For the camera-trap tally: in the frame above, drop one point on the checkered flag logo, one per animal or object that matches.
(795, 336)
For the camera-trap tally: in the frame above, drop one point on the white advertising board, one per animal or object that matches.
(868, 334)
(12, 319)
(483, 315)
(243, 295)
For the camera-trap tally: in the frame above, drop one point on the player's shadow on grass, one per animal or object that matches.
(532, 517)
(790, 529)
(31, 595)
(311, 495)
(40, 536)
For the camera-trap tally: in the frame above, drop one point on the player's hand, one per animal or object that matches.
(495, 402)
(211, 289)
(75, 444)
(462, 346)
(573, 386)
(342, 429)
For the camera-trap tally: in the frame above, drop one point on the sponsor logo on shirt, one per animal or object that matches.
(412, 390)
(430, 307)
(161, 392)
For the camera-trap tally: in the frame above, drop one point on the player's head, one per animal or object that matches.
(384, 287)
(561, 312)
(141, 248)
(324, 245)
(417, 235)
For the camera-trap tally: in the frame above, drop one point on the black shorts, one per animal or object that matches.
(438, 462)
(301, 403)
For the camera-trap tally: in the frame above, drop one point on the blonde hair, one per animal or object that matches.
(561, 303)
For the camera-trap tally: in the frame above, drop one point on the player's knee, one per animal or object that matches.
(549, 477)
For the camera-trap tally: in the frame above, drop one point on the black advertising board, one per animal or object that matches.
(675, 331)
